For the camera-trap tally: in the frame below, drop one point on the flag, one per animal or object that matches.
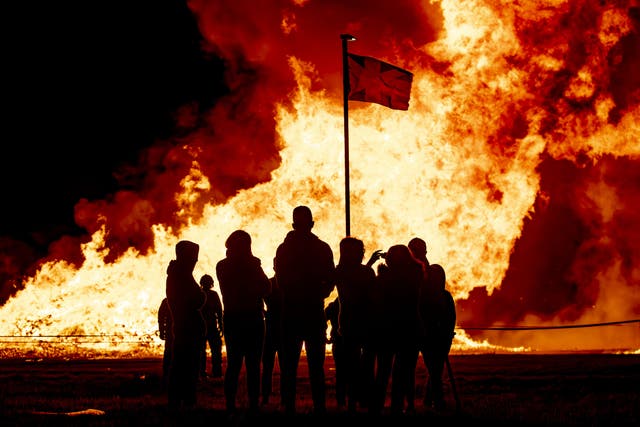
(372, 80)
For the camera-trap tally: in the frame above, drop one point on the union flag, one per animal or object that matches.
(372, 80)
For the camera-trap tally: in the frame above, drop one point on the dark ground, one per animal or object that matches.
(494, 389)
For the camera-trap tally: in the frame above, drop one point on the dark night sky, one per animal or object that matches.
(87, 85)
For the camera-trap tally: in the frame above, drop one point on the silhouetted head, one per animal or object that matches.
(351, 251)
(302, 218)
(238, 242)
(206, 281)
(418, 248)
(437, 276)
(399, 257)
(187, 251)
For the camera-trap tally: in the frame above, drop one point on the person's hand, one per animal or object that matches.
(375, 256)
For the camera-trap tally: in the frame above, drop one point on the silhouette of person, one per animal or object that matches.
(332, 311)
(165, 330)
(371, 349)
(185, 298)
(439, 325)
(355, 284)
(272, 340)
(304, 268)
(212, 313)
(243, 285)
(400, 279)
(418, 248)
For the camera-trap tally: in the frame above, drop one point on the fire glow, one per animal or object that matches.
(517, 113)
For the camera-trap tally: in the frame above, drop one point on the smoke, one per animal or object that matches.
(234, 142)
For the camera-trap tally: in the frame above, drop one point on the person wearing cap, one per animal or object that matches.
(185, 298)
(304, 268)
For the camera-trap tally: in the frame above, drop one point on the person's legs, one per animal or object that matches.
(255, 341)
(183, 373)
(427, 356)
(383, 374)
(397, 384)
(367, 375)
(342, 370)
(216, 357)
(175, 387)
(353, 373)
(435, 366)
(193, 370)
(235, 356)
(290, 352)
(268, 362)
(202, 363)
(412, 363)
(402, 380)
(166, 362)
(435, 375)
(315, 346)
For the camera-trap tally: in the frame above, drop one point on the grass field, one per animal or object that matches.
(493, 389)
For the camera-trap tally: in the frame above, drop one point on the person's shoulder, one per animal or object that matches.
(367, 269)
(291, 234)
(323, 244)
(173, 264)
(285, 242)
(368, 273)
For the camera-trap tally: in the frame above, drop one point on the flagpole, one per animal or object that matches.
(345, 90)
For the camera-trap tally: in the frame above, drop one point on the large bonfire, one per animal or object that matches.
(517, 162)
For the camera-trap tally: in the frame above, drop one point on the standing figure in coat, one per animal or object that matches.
(272, 340)
(243, 285)
(418, 248)
(304, 268)
(185, 298)
(212, 313)
(439, 324)
(399, 281)
(355, 283)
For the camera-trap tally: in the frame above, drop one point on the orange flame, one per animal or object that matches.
(498, 88)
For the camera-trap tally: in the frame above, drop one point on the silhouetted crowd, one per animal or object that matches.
(379, 324)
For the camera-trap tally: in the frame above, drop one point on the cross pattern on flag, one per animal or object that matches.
(372, 80)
